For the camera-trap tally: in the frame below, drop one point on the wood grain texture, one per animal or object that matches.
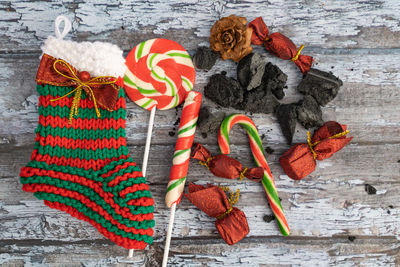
(356, 40)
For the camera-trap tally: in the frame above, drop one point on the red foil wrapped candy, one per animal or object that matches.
(300, 160)
(279, 45)
(225, 166)
(231, 222)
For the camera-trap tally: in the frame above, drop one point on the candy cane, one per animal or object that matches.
(159, 74)
(187, 128)
(259, 157)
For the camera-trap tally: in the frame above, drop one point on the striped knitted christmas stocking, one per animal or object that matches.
(81, 165)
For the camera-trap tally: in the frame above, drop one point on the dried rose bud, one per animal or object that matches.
(231, 38)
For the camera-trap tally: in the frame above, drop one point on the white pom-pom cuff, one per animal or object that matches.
(97, 58)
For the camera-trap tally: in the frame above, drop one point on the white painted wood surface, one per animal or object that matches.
(357, 40)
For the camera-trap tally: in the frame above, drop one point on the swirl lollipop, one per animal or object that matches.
(160, 74)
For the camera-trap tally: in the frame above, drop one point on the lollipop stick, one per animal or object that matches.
(148, 140)
(146, 152)
(169, 233)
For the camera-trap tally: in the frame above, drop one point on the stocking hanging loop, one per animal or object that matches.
(67, 26)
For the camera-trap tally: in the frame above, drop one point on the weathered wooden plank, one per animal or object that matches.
(261, 252)
(315, 212)
(265, 252)
(371, 163)
(334, 200)
(368, 100)
(372, 24)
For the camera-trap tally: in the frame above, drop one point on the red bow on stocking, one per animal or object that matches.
(102, 90)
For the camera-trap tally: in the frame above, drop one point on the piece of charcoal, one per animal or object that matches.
(274, 79)
(205, 58)
(323, 86)
(269, 218)
(287, 118)
(370, 189)
(208, 122)
(259, 100)
(224, 91)
(351, 238)
(309, 113)
(250, 71)
(269, 150)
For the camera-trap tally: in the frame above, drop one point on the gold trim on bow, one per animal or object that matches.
(101, 80)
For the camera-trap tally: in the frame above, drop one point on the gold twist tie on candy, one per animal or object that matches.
(82, 81)
(312, 145)
(233, 199)
(297, 54)
(205, 163)
(241, 177)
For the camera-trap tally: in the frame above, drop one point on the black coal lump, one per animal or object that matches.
(250, 71)
(309, 113)
(370, 189)
(351, 238)
(259, 100)
(323, 86)
(268, 218)
(274, 79)
(209, 122)
(205, 58)
(224, 91)
(287, 118)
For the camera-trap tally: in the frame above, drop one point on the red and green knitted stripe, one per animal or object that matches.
(49, 92)
(127, 178)
(31, 175)
(117, 175)
(125, 187)
(90, 164)
(122, 178)
(63, 112)
(92, 207)
(84, 104)
(92, 144)
(82, 123)
(109, 202)
(59, 91)
(111, 171)
(117, 166)
(62, 106)
(259, 157)
(99, 218)
(96, 213)
(41, 165)
(81, 133)
(120, 241)
(100, 153)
